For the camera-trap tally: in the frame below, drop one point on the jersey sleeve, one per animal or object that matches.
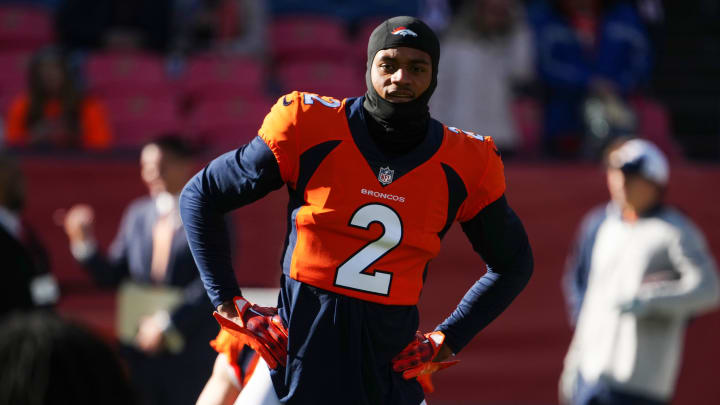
(498, 235)
(279, 131)
(488, 185)
(234, 179)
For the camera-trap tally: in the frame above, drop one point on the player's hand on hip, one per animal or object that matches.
(228, 310)
(258, 327)
(423, 357)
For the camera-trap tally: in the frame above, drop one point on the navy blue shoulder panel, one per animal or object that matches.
(457, 193)
(310, 160)
(230, 181)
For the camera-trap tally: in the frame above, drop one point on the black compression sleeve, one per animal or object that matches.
(497, 234)
(232, 180)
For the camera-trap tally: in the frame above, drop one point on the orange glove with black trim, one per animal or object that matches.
(416, 359)
(260, 328)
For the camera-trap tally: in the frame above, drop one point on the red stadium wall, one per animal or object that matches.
(517, 359)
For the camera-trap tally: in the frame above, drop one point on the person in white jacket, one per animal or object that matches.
(486, 54)
(640, 269)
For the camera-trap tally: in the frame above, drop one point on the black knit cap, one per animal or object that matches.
(410, 117)
(407, 32)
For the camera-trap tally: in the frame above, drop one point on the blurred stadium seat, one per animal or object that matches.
(526, 114)
(317, 38)
(118, 74)
(360, 40)
(6, 100)
(327, 79)
(220, 77)
(14, 67)
(12, 76)
(24, 27)
(136, 119)
(317, 7)
(228, 123)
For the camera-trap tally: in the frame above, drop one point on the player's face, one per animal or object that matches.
(401, 74)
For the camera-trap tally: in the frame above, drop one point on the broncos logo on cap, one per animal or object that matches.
(403, 31)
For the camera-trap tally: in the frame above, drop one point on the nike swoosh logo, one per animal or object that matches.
(286, 103)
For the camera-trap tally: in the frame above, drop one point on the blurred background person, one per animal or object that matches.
(163, 310)
(487, 51)
(53, 112)
(640, 270)
(45, 359)
(27, 281)
(229, 26)
(594, 50)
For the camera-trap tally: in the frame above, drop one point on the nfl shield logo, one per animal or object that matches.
(386, 175)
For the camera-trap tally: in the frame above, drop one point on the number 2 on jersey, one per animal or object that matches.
(352, 273)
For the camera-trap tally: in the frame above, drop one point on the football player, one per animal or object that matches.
(374, 184)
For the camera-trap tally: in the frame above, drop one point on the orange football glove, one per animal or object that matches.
(230, 346)
(416, 359)
(260, 328)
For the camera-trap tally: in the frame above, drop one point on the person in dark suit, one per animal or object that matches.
(169, 356)
(27, 281)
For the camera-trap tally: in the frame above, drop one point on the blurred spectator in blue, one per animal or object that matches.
(116, 24)
(227, 26)
(652, 13)
(596, 48)
(487, 50)
(27, 282)
(53, 112)
(437, 14)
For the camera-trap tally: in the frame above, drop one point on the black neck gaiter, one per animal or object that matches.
(398, 127)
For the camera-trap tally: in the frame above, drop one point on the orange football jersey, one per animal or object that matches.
(364, 225)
